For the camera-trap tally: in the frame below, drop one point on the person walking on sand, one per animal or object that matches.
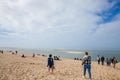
(114, 61)
(86, 62)
(102, 60)
(50, 64)
(98, 59)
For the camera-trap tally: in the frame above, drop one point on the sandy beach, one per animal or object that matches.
(13, 67)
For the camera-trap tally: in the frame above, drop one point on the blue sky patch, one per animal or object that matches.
(109, 15)
(4, 31)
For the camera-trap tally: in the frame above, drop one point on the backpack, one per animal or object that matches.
(87, 60)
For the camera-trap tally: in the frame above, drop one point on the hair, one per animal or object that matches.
(86, 53)
(50, 55)
(114, 57)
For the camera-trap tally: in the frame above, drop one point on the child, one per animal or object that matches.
(50, 63)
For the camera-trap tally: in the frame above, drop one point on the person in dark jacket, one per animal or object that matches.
(50, 64)
(102, 60)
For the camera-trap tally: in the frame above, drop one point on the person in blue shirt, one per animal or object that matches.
(50, 63)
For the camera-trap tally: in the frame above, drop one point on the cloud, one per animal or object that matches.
(59, 22)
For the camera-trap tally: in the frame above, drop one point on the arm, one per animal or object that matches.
(47, 62)
(83, 61)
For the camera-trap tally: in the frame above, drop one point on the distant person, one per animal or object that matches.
(102, 60)
(12, 52)
(108, 61)
(74, 58)
(16, 52)
(1, 51)
(50, 63)
(98, 59)
(114, 61)
(23, 56)
(33, 55)
(56, 58)
(86, 62)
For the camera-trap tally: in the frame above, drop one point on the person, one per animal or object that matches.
(50, 64)
(102, 60)
(16, 52)
(108, 61)
(12, 52)
(114, 61)
(33, 55)
(23, 56)
(1, 51)
(86, 62)
(98, 59)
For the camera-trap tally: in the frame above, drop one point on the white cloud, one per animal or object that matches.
(53, 20)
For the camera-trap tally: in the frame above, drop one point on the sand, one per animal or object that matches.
(13, 67)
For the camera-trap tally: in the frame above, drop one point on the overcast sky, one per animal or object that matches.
(60, 24)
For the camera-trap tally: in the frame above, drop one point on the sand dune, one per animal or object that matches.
(13, 67)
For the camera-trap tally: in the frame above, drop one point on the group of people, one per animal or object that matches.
(14, 52)
(77, 59)
(109, 61)
(56, 58)
(86, 62)
(23, 56)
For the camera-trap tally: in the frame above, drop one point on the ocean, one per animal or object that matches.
(71, 54)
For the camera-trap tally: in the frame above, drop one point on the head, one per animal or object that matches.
(50, 55)
(86, 53)
(114, 57)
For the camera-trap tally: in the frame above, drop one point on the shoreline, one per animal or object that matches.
(94, 59)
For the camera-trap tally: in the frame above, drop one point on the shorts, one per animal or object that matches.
(50, 66)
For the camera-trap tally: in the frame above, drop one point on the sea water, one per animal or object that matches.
(71, 54)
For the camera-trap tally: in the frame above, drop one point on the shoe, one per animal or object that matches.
(83, 76)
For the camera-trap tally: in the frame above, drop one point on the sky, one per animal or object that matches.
(60, 24)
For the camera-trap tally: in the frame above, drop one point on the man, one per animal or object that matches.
(98, 59)
(102, 60)
(86, 62)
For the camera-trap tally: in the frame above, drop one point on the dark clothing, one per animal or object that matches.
(50, 62)
(102, 60)
(98, 59)
(108, 62)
